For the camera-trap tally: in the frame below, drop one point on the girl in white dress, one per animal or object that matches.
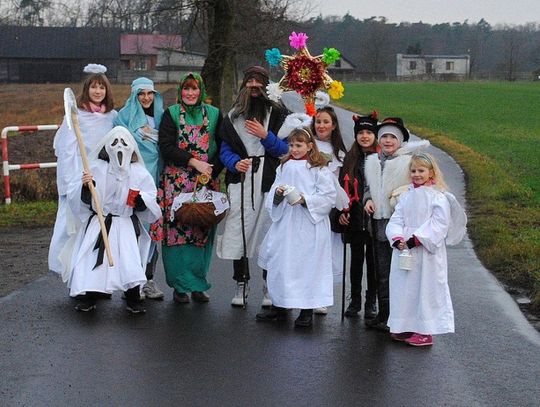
(297, 250)
(328, 138)
(95, 112)
(426, 218)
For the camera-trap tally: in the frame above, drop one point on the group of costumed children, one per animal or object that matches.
(383, 197)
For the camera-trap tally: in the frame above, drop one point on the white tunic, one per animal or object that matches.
(129, 253)
(420, 298)
(297, 250)
(69, 168)
(229, 244)
(341, 202)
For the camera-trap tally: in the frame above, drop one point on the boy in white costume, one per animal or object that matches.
(425, 220)
(116, 169)
(297, 250)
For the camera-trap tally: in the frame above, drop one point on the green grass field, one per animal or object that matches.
(493, 130)
(500, 120)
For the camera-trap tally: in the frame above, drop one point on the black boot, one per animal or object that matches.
(134, 302)
(370, 306)
(353, 309)
(273, 314)
(305, 318)
(86, 302)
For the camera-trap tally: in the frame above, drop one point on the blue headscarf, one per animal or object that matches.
(132, 117)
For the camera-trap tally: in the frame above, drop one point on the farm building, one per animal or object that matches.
(56, 54)
(140, 54)
(410, 66)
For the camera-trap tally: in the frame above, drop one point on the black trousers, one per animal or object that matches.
(362, 247)
(383, 259)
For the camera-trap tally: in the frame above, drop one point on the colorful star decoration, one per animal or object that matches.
(304, 73)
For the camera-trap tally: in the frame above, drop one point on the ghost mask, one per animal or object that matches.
(120, 147)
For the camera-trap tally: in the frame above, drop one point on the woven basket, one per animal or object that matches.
(198, 214)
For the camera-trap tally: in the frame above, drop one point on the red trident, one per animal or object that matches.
(352, 198)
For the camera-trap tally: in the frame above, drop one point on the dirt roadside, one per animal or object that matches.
(23, 254)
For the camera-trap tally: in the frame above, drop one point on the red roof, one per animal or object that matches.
(147, 44)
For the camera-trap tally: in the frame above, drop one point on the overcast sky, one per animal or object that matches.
(435, 11)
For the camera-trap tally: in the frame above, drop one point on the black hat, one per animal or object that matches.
(396, 123)
(365, 123)
(258, 72)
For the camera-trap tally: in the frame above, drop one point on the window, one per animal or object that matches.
(412, 65)
(140, 65)
(449, 65)
(337, 64)
(429, 68)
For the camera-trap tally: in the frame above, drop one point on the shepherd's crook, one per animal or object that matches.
(70, 106)
(245, 262)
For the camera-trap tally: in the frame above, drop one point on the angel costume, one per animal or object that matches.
(420, 297)
(334, 165)
(93, 125)
(129, 241)
(297, 250)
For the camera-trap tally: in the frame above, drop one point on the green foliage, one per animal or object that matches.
(492, 130)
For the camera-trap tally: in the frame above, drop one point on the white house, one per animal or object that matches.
(408, 66)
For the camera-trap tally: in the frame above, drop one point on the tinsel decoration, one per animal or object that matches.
(273, 57)
(304, 73)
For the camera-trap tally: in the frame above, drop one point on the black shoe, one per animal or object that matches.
(200, 296)
(85, 305)
(370, 310)
(305, 319)
(352, 310)
(135, 307)
(273, 314)
(376, 324)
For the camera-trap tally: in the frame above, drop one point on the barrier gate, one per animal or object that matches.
(6, 167)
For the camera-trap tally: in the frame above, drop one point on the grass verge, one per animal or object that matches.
(28, 214)
(503, 210)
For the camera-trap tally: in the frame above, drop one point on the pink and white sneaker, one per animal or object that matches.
(401, 337)
(420, 340)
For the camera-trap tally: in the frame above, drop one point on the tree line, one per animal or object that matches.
(235, 33)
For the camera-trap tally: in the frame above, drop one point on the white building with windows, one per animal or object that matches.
(409, 66)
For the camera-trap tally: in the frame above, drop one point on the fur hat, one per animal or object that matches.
(395, 127)
(365, 123)
(258, 72)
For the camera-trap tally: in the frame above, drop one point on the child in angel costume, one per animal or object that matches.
(95, 115)
(425, 220)
(297, 250)
(117, 170)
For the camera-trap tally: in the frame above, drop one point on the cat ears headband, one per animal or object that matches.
(374, 115)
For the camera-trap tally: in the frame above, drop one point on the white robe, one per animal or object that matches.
(69, 168)
(342, 201)
(297, 250)
(420, 298)
(129, 253)
(229, 244)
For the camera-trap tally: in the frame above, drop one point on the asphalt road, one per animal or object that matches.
(215, 355)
